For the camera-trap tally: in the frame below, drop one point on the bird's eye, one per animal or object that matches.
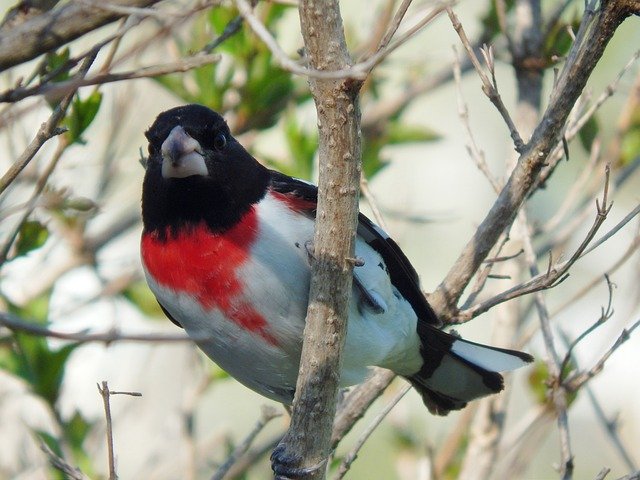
(152, 150)
(220, 141)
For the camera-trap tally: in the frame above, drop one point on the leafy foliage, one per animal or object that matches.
(81, 115)
(32, 235)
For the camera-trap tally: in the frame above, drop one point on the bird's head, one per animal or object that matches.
(196, 170)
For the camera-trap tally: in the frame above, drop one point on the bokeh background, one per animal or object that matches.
(429, 190)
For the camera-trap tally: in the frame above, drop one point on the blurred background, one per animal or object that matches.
(70, 236)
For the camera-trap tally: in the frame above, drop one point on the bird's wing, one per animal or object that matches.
(303, 197)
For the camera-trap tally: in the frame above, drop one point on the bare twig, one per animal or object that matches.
(17, 324)
(305, 447)
(472, 147)
(19, 165)
(611, 429)
(358, 402)
(266, 415)
(358, 72)
(555, 273)
(61, 88)
(557, 389)
(605, 315)
(353, 454)
(545, 137)
(576, 380)
(104, 392)
(69, 471)
(489, 87)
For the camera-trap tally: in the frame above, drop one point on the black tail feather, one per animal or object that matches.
(455, 371)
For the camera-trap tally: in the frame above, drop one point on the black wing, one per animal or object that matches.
(403, 276)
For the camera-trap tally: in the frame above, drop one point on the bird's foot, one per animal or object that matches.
(283, 463)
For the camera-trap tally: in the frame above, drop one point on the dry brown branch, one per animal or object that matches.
(472, 147)
(55, 28)
(556, 273)
(69, 471)
(104, 392)
(17, 324)
(357, 72)
(489, 87)
(558, 392)
(358, 401)
(583, 58)
(574, 126)
(266, 415)
(353, 454)
(61, 88)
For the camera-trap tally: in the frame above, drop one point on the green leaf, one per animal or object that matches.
(630, 142)
(490, 19)
(589, 132)
(31, 357)
(32, 235)
(539, 378)
(81, 115)
(558, 41)
(75, 432)
(401, 133)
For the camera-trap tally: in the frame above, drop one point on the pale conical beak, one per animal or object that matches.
(182, 155)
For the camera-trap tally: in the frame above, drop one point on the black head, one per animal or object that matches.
(197, 171)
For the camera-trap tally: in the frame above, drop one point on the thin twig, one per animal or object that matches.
(611, 429)
(14, 323)
(358, 401)
(353, 454)
(463, 112)
(556, 273)
(267, 414)
(489, 87)
(359, 71)
(575, 381)
(69, 471)
(104, 392)
(60, 88)
(558, 391)
(606, 314)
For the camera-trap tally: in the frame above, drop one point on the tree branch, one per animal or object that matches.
(305, 447)
(582, 60)
(57, 27)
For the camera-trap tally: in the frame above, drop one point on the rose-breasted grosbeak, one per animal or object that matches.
(225, 251)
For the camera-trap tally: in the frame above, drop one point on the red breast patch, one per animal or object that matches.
(204, 265)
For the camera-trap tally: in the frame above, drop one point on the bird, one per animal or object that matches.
(226, 250)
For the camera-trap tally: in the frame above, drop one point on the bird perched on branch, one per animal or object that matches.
(226, 251)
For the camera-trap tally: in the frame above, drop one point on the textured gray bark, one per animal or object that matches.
(57, 27)
(308, 439)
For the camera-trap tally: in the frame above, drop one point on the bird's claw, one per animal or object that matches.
(283, 464)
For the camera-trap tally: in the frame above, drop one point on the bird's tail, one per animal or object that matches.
(456, 371)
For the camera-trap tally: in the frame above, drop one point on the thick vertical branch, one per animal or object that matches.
(339, 149)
